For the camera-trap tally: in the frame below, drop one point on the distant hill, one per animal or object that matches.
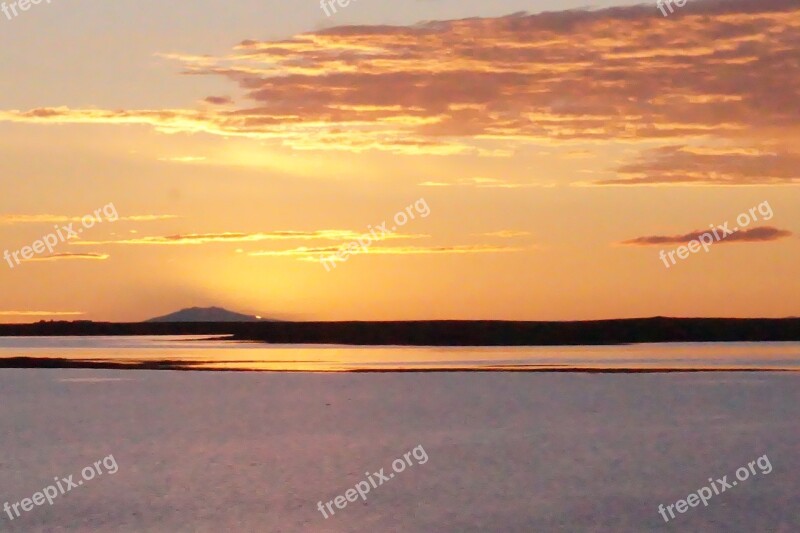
(205, 314)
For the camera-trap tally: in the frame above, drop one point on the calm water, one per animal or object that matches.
(225, 354)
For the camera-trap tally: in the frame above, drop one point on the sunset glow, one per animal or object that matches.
(559, 152)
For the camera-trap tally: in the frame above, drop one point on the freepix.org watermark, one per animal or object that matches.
(62, 234)
(718, 233)
(715, 488)
(373, 481)
(420, 207)
(23, 5)
(664, 5)
(61, 487)
(330, 5)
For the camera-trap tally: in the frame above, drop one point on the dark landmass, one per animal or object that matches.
(57, 362)
(446, 333)
(205, 314)
(60, 362)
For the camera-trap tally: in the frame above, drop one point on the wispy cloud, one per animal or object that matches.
(327, 253)
(710, 165)
(205, 238)
(183, 159)
(218, 100)
(504, 234)
(762, 234)
(68, 256)
(480, 85)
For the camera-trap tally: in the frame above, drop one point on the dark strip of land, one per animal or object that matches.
(446, 333)
(209, 366)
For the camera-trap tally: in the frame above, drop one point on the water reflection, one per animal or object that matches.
(214, 353)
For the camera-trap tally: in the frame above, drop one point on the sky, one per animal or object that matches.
(507, 160)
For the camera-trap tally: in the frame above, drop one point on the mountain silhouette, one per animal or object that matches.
(205, 314)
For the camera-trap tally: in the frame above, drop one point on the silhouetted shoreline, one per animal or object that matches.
(446, 333)
(207, 366)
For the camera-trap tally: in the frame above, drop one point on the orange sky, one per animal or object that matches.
(555, 154)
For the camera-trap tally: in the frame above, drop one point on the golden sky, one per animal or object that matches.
(542, 162)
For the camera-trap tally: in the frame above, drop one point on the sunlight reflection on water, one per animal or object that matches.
(214, 353)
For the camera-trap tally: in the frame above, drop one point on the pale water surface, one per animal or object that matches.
(212, 353)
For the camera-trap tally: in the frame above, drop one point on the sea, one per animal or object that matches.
(222, 353)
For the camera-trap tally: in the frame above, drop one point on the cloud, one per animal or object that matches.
(504, 234)
(704, 165)
(218, 100)
(328, 253)
(762, 234)
(68, 256)
(724, 70)
(205, 238)
(183, 159)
